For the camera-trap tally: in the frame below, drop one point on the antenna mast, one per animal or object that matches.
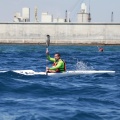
(36, 15)
(112, 17)
(89, 15)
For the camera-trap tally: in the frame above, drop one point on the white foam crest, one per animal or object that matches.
(80, 65)
(2, 71)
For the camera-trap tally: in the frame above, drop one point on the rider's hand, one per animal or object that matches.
(47, 52)
(47, 69)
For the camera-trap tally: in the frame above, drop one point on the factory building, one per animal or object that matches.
(25, 17)
(83, 16)
(17, 17)
(45, 17)
(58, 20)
(26, 14)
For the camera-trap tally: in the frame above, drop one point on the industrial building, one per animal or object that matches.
(61, 30)
(45, 17)
(25, 17)
(83, 16)
(26, 14)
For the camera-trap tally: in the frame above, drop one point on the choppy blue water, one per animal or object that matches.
(82, 97)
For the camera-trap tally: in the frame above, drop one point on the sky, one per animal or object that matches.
(100, 9)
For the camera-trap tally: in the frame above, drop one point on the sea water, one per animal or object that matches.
(81, 97)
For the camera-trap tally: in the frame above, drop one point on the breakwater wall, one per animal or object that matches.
(61, 33)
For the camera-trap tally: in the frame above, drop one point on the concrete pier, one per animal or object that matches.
(61, 33)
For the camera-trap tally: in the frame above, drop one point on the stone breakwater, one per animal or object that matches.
(61, 33)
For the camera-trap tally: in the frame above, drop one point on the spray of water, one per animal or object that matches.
(80, 65)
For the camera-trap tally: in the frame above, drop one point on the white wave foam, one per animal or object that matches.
(80, 65)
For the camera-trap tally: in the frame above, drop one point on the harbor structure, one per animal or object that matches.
(60, 29)
(61, 33)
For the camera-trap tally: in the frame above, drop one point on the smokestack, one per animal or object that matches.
(36, 15)
(89, 17)
(112, 17)
(66, 16)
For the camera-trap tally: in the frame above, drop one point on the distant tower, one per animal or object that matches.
(36, 14)
(66, 17)
(83, 16)
(26, 14)
(83, 8)
(89, 15)
(112, 17)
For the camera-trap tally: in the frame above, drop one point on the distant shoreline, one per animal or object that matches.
(60, 44)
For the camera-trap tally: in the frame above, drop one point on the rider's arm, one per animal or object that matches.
(57, 66)
(50, 59)
(48, 56)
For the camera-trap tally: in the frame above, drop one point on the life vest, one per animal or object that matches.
(60, 69)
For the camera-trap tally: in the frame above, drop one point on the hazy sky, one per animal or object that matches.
(100, 9)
